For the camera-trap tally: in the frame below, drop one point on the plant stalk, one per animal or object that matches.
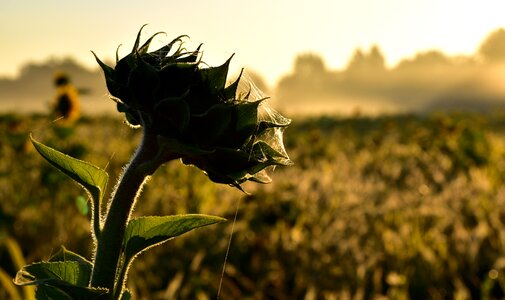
(109, 243)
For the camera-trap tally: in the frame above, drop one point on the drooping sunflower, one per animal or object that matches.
(171, 93)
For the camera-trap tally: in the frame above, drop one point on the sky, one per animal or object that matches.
(265, 35)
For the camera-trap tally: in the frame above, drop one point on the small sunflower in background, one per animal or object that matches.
(66, 101)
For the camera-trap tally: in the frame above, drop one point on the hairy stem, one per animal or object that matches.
(121, 281)
(96, 214)
(123, 201)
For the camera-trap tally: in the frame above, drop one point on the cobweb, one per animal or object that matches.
(272, 136)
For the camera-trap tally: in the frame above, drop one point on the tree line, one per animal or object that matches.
(428, 81)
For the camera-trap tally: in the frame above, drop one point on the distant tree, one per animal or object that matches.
(357, 61)
(429, 59)
(370, 62)
(492, 49)
(309, 77)
(376, 58)
(309, 64)
(35, 78)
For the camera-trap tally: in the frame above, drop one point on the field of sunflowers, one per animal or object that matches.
(391, 207)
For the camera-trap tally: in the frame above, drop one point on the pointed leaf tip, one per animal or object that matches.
(91, 177)
(117, 53)
(215, 77)
(230, 92)
(137, 40)
(109, 72)
(143, 49)
(145, 232)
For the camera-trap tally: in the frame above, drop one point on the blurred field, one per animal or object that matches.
(392, 207)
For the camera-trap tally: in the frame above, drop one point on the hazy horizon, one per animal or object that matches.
(265, 36)
(367, 86)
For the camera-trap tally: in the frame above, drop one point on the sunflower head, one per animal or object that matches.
(171, 93)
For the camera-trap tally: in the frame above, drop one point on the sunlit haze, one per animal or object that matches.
(265, 35)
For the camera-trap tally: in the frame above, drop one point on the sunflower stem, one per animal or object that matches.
(108, 249)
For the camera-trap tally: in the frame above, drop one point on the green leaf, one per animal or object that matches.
(58, 279)
(108, 71)
(137, 40)
(126, 295)
(91, 177)
(45, 292)
(70, 272)
(247, 116)
(145, 232)
(68, 292)
(190, 57)
(64, 255)
(110, 76)
(161, 53)
(215, 77)
(230, 92)
(143, 49)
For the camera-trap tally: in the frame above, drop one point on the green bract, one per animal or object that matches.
(171, 93)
